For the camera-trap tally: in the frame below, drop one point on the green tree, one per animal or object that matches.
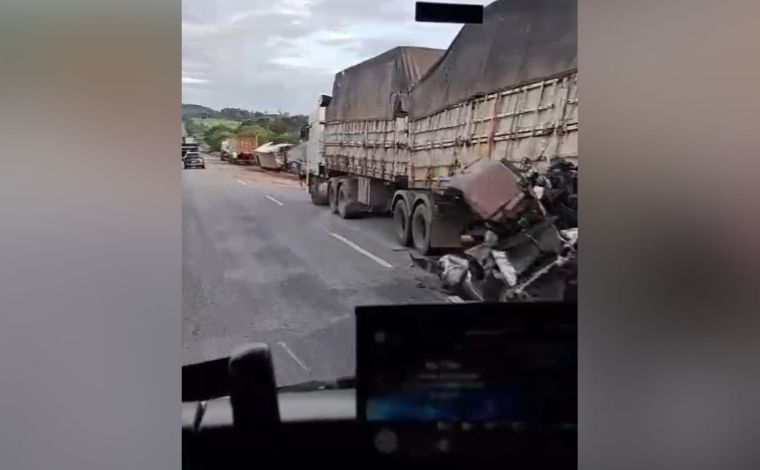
(278, 127)
(193, 128)
(214, 135)
(285, 138)
(258, 121)
(262, 134)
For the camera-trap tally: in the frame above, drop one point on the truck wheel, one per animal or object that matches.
(332, 198)
(401, 223)
(421, 219)
(318, 196)
(343, 202)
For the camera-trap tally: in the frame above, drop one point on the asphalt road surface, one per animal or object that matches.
(261, 263)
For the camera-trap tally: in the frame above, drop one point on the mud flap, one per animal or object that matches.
(351, 188)
(447, 225)
(318, 192)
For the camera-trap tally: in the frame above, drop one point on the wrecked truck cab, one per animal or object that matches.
(529, 248)
(538, 264)
(491, 189)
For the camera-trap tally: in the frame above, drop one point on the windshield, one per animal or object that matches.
(356, 158)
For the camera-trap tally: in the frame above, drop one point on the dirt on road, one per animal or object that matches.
(251, 173)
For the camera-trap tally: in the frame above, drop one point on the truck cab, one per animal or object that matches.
(189, 144)
(315, 155)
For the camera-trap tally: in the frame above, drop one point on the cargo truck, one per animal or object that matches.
(243, 150)
(440, 139)
(189, 144)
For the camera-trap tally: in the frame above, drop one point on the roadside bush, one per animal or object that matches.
(193, 128)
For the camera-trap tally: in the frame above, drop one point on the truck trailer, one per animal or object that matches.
(446, 141)
(243, 150)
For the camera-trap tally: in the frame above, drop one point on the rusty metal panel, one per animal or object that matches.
(490, 189)
(245, 144)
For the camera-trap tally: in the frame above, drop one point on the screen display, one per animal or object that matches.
(436, 379)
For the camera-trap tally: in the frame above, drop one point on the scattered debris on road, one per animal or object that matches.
(529, 250)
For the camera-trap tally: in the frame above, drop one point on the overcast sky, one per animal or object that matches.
(281, 54)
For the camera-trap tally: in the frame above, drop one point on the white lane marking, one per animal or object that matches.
(242, 182)
(455, 299)
(361, 250)
(293, 355)
(273, 200)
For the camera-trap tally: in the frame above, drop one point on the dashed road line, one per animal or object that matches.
(242, 182)
(361, 250)
(293, 355)
(274, 200)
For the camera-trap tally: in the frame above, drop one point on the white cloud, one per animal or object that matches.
(191, 80)
(282, 54)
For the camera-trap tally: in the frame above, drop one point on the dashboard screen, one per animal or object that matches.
(469, 378)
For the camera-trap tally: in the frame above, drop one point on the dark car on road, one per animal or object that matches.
(193, 160)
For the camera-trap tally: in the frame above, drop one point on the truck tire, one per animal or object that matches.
(421, 220)
(318, 197)
(401, 223)
(343, 203)
(332, 198)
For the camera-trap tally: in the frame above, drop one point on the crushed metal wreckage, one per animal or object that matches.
(529, 250)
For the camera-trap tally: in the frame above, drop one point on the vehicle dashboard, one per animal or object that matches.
(332, 424)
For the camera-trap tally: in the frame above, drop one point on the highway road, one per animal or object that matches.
(261, 263)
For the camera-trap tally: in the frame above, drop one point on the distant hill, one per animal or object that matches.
(190, 111)
(198, 111)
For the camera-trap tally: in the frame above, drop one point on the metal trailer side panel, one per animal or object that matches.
(372, 148)
(268, 161)
(245, 144)
(535, 122)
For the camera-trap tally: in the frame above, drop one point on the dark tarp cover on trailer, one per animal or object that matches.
(376, 88)
(519, 41)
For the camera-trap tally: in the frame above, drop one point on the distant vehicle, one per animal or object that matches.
(189, 144)
(193, 160)
(244, 147)
(227, 147)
